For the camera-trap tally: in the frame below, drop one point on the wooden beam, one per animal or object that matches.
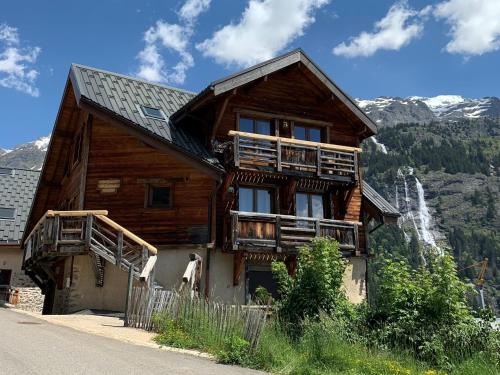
(295, 141)
(239, 260)
(220, 115)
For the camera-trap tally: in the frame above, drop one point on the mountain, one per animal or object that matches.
(444, 178)
(389, 111)
(26, 156)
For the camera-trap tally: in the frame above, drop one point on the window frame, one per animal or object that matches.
(148, 201)
(255, 204)
(307, 129)
(255, 119)
(309, 203)
(148, 116)
(13, 214)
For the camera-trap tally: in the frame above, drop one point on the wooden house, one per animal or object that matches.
(139, 175)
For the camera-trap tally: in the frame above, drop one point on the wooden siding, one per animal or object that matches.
(289, 92)
(115, 154)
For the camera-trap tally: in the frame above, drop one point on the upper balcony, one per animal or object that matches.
(294, 157)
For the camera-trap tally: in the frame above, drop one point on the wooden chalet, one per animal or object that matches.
(139, 175)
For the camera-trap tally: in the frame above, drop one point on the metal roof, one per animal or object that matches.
(385, 208)
(124, 96)
(17, 189)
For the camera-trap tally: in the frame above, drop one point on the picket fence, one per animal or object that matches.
(148, 306)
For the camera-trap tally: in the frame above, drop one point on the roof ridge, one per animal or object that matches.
(133, 78)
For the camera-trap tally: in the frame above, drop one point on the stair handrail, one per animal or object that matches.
(152, 250)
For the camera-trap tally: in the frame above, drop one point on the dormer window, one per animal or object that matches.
(153, 113)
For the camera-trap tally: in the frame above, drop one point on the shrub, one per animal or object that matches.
(316, 285)
(425, 311)
(236, 351)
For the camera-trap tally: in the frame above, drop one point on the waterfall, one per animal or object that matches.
(424, 216)
(380, 146)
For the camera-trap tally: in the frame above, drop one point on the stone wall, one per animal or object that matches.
(25, 295)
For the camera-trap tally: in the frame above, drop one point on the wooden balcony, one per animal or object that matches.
(69, 233)
(285, 233)
(294, 157)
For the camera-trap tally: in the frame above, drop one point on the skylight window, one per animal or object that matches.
(7, 213)
(153, 112)
(5, 171)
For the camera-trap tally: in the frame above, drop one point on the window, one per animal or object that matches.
(255, 200)
(306, 133)
(5, 171)
(159, 197)
(249, 125)
(153, 112)
(7, 213)
(309, 205)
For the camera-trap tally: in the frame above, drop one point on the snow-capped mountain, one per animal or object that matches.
(27, 156)
(389, 111)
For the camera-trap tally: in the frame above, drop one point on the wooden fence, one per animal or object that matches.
(149, 306)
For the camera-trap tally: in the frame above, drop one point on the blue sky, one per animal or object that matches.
(418, 47)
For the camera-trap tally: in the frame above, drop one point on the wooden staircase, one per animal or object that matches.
(68, 233)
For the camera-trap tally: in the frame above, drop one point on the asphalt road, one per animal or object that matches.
(33, 346)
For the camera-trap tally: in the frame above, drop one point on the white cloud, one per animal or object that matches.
(475, 25)
(15, 61)
(400, 25)
(265, 28)
(173, 37)
(192, 9)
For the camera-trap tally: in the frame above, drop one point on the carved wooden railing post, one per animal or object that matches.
(57, 223)
(318, 160)
(278, 234)
(278, 155)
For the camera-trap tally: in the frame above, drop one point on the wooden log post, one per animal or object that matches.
(278, 155)
(88, 232)
(119, 248)
(236, 155)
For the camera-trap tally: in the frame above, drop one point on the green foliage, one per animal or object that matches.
(236, 351)
(316, 285)
(262, 296)
(424, 310)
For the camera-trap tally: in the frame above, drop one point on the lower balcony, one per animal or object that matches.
(284, 233)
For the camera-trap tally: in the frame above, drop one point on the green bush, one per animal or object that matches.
(315, 287)
(424, 310)
(236, 351)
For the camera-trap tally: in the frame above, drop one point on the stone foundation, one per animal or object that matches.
(29, 299)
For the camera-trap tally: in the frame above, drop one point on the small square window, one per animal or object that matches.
(159, 196)
(7, 213)
(152, 112)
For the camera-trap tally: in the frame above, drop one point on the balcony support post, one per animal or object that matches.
(88, 232)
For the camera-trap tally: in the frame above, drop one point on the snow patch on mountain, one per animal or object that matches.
(42, 143)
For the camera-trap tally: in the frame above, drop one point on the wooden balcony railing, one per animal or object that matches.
(283, 233)
(67, 233)
(296, 157)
